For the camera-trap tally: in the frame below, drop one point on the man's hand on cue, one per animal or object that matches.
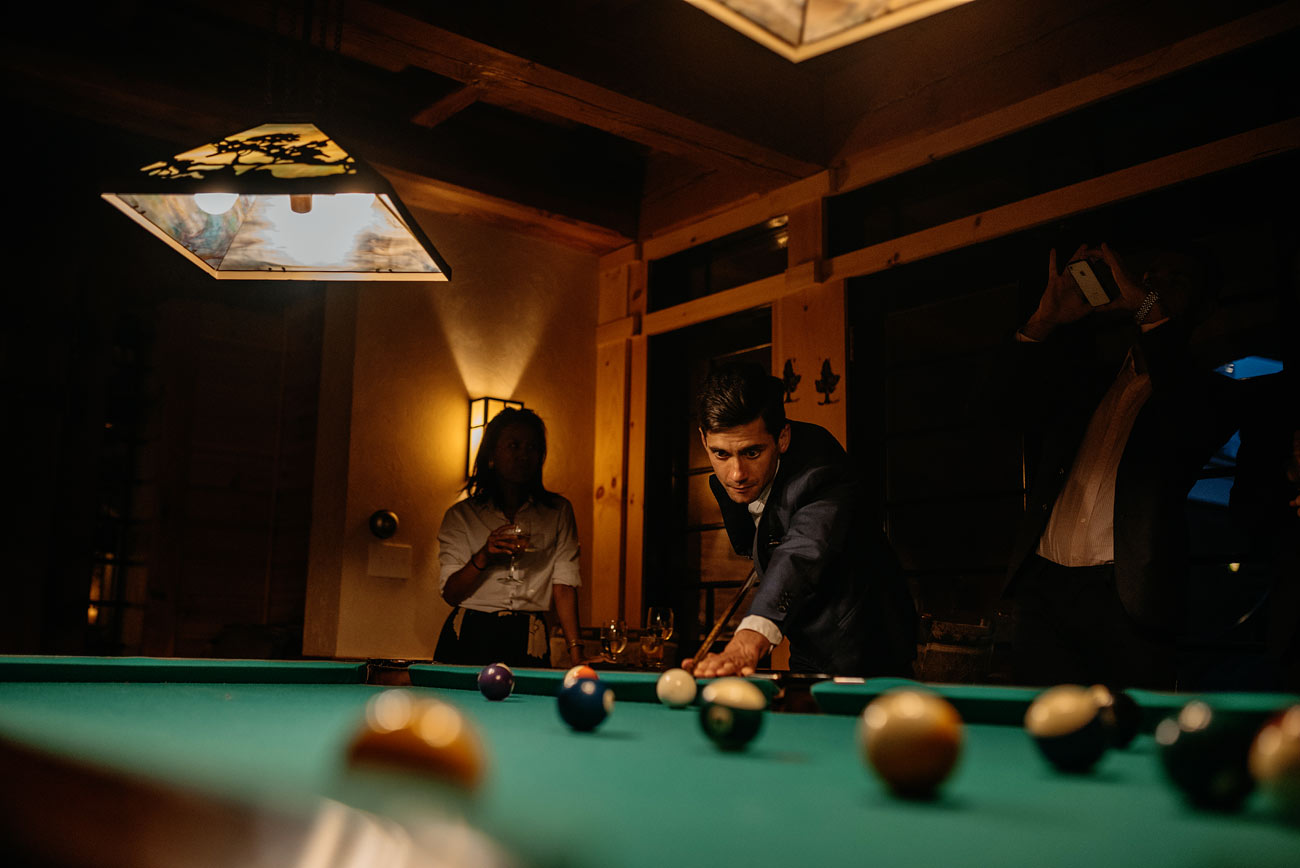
(740, 657)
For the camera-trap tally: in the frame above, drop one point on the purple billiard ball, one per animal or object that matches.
(585, 704)
(496, 681)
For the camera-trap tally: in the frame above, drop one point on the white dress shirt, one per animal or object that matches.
(758, 623)
(1081, 529)
(551, 558)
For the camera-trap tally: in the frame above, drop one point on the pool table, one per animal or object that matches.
(204, 762)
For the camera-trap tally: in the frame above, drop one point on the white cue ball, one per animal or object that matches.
(676, 688)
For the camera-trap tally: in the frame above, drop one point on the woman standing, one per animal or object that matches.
(508, 552)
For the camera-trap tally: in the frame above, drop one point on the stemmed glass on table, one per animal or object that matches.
(658, 629)
(613, 638)
(518, 544)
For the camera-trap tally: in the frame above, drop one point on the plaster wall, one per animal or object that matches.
(516, 321)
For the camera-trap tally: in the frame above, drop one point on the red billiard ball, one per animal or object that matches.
(912, 739)
(1275, 762)
(496, 681)
(1066, 724)
(582, 670)
(585, 704)
(421, 735)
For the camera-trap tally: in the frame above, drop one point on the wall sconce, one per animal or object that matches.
(481, 412)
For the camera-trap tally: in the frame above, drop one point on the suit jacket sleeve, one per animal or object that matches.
(800, 536)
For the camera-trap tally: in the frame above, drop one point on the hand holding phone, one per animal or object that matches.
(1095, 281)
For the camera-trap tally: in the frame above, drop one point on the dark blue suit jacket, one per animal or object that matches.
(827, 578)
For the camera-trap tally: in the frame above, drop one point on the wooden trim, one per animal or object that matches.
(876, 164)
(750, 295)
(506, 80)
(609, 469)
(625, 255)
(1076, 198)
(419, 191)
(747, 213)
(458, 100)
(616, 330)
(634, 493)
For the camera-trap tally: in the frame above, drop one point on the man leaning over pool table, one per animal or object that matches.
(827, 578)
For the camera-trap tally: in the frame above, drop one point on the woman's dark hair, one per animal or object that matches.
(737, 393)
(484, 485)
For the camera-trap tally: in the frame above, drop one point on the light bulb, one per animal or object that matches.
(215, 203)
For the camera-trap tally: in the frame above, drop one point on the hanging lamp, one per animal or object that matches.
(281, 201)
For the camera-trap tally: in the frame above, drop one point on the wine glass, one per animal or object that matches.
(613, 638)
(660, 620)
(652, 648)
(518, 542)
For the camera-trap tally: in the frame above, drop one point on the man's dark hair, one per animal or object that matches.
(736, 394)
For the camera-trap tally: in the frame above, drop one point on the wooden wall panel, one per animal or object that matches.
(608, 478)
(808, 341)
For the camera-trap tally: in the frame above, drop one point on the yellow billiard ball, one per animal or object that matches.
(912, 739)
(420, 735)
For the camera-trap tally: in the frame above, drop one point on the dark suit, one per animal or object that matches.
(827, 577)
(1113, 622)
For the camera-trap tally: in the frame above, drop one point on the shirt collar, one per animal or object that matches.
(757, 505)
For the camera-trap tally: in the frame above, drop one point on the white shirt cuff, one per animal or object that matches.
(763, 626)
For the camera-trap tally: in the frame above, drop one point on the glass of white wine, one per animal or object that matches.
(652, 648)
(660, 619)
(517, 545)
(613, 638)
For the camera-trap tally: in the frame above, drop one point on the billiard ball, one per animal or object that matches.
(1066, 724)
(1205, 754)
(676, 688)
(1120, 715)
(580, 671)
(911, 739)
(731, 712)
(496, 681)
(420, 735)
(585, 704)
(1274, 762)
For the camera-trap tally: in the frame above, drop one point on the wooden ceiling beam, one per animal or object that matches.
(458, 100)
(375, 34)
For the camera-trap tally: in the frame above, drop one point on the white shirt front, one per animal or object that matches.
(758, 623)
(551, 558)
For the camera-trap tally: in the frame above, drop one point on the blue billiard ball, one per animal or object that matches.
(496, 681)
(585, 704)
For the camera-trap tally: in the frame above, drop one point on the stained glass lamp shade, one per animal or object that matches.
(800, 29)
(280, 202)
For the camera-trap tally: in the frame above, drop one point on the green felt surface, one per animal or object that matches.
(192, 670)
(647, 788)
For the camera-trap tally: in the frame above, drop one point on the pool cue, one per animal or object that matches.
(731, 610)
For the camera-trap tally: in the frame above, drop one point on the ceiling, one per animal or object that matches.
(609, 119)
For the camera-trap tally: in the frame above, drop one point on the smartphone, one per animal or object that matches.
(1094, 280)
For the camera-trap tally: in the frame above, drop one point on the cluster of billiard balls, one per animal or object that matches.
(731, 709)
(1215, 758)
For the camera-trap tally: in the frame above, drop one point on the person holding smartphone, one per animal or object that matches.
(1099, 565)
